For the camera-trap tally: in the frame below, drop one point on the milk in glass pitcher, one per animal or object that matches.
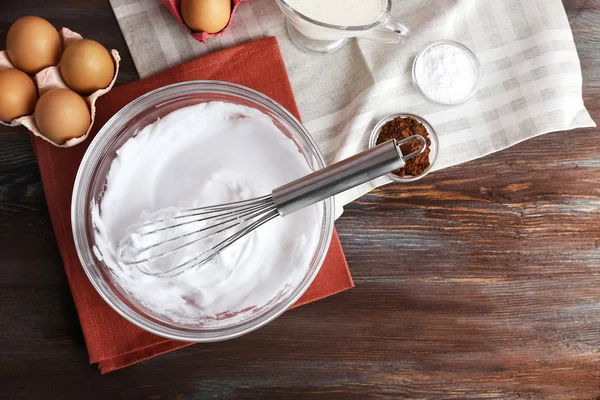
(326, 25)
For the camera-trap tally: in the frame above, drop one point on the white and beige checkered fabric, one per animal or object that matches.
(531, 81)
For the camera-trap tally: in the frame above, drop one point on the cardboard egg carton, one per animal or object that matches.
(50, 78)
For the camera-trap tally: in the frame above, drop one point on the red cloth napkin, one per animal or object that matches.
(112, 341)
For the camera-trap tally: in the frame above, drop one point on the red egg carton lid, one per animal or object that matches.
(174, 7)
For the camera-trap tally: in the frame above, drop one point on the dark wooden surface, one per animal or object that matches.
(482, 281)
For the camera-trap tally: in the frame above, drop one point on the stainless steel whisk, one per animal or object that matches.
(244, 217)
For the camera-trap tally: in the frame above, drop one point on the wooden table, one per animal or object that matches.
(481, 281)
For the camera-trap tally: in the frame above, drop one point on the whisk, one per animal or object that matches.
(144, 245)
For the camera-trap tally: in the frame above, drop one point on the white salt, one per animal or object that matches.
(446, 73)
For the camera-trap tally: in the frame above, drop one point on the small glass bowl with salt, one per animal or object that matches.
(446, 73)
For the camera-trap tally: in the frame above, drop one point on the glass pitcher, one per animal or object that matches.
(312, 35)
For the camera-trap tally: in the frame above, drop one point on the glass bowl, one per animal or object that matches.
(464, 48)
(433, 147)
(90, 181)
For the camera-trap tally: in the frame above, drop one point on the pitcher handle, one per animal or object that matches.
(390, 30)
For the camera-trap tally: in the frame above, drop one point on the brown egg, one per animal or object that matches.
(206, 15)
(18, 94)
(86, 66)
(61, 114)
(32, 44)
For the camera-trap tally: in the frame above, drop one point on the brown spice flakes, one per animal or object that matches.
(402, 128)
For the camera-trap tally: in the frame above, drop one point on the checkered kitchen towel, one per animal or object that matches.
(531, 81)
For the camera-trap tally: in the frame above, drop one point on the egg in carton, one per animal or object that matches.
(50, 78)
(174, 7)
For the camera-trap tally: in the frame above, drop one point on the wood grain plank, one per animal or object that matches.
(481, 281)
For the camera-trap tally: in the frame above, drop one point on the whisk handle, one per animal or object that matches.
(342, 176)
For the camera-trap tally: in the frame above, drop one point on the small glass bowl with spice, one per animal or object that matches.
(446, 73)
(402, 126)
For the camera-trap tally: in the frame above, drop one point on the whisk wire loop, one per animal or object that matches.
(226, 217)
(213, 251)
(224, 225)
